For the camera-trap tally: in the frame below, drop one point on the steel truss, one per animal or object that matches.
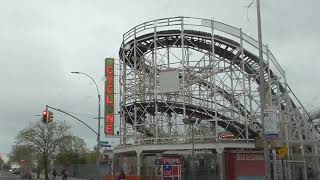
(218, 85)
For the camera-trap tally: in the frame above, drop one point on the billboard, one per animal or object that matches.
(109, 97)
(169, 167)
(271, 123)
(168, 81)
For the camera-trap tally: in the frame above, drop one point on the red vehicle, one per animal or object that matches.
(27, 175)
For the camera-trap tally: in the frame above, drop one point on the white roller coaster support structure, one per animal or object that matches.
(218, 77)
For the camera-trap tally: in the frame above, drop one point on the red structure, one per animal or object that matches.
(242, 165)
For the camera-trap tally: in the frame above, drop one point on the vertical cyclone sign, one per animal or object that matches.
(109, 97)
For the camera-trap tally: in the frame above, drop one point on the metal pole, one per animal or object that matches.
(283, 176)
(72, 158)
(193, 171)
(275, 165)
(98, 139)
(99, 120)
(262, 92)
(62, 111)
(183, 69)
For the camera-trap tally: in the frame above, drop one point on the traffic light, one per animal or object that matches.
(45, 116)
(50, 117)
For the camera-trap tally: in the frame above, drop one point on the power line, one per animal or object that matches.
(248, 7)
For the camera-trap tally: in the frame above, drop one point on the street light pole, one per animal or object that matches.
(99, 124)
(99, 135)
(262, 94)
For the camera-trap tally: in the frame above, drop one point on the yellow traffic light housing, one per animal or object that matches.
(50, 117)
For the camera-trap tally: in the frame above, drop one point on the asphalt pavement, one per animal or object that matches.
(8, 176)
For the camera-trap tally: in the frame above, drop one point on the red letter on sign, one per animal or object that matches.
(108, 100)
(110, 119)
(109, 129)
(110, 70)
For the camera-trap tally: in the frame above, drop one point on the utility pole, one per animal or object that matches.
(262, 94)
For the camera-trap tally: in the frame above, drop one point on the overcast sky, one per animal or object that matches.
(42, 41)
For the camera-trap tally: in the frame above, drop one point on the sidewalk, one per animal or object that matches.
(58, 178)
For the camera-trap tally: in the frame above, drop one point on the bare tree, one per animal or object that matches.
(45, 139)
(72, 150)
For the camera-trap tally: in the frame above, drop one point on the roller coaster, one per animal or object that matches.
(218, 77)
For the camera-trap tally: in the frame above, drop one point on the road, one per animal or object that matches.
(8, 176)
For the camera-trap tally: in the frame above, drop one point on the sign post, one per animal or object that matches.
(283, 151)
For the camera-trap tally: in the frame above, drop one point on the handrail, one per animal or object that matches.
(220, 26)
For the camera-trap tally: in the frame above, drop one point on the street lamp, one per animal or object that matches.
(191, 121)
(99, 122)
